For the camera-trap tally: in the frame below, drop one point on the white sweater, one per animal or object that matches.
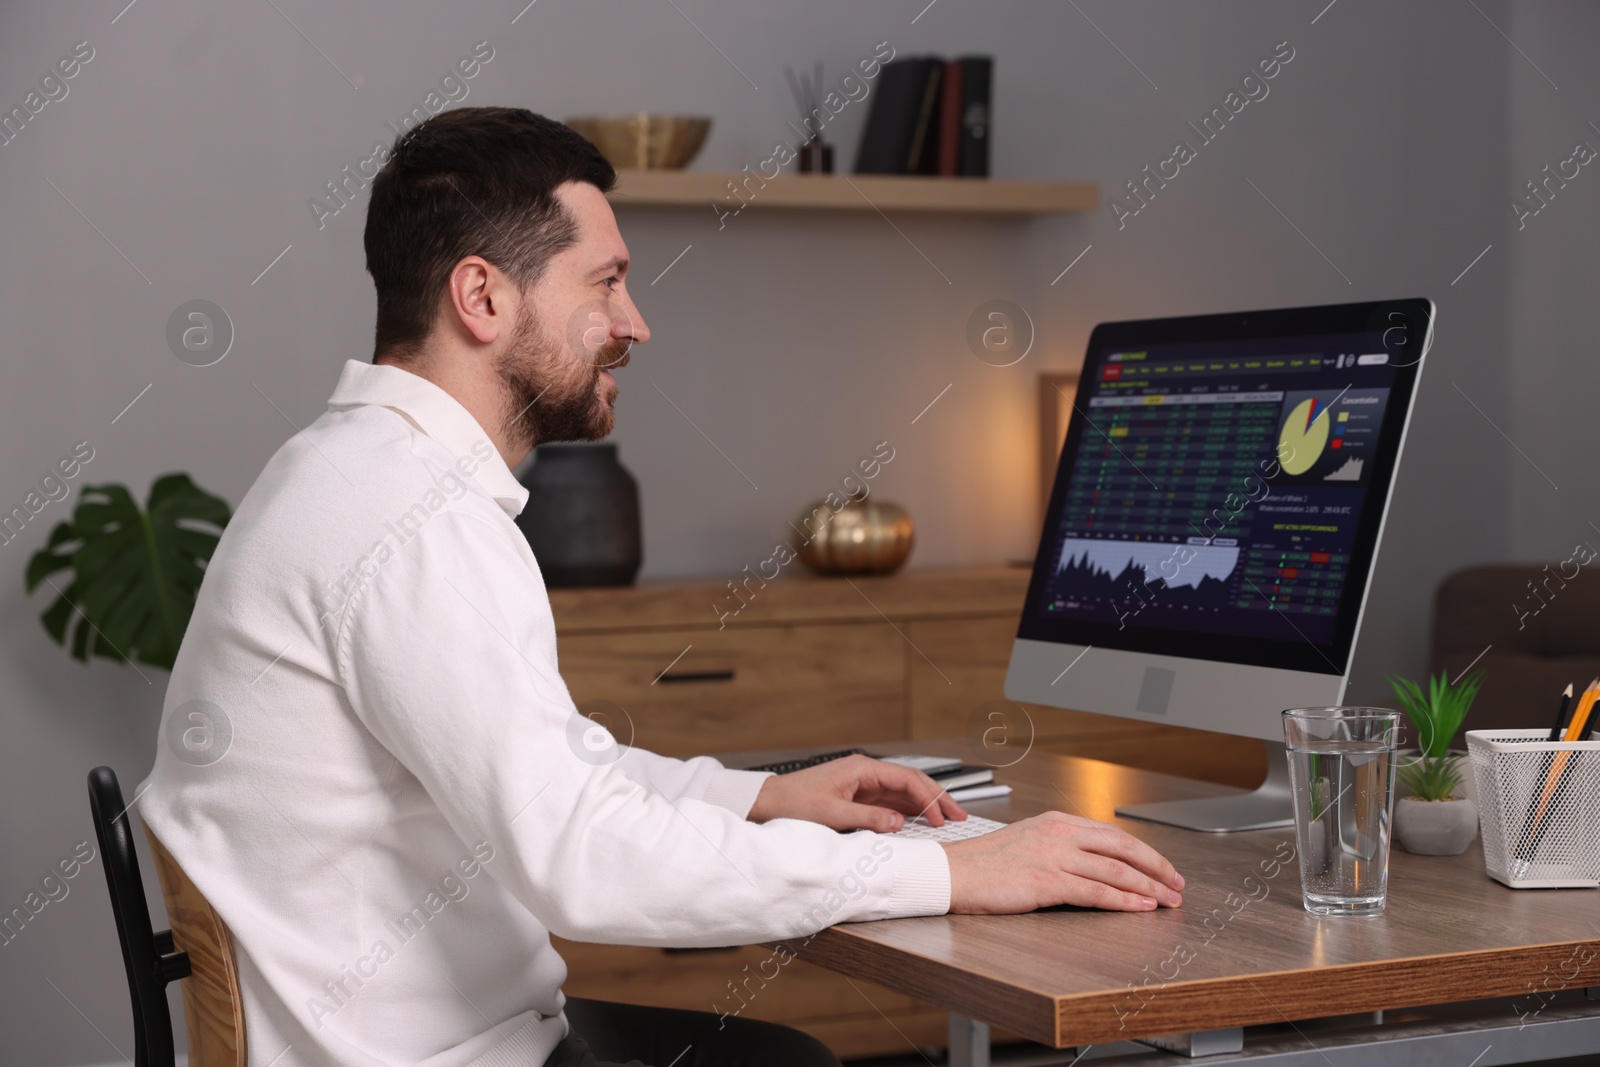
(371, 768)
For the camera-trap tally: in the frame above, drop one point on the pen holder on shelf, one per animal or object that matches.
(1539, 808)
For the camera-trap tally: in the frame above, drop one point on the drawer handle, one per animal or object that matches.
(697, 676)
(697, 951)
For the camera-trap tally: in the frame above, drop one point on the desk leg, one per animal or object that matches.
(969, 1042)
(1200, 1043)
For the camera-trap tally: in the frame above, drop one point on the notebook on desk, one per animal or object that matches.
(964, 782)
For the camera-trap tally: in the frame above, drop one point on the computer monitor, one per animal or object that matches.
(1209, 541)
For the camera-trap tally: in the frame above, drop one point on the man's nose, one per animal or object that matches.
(630, 325)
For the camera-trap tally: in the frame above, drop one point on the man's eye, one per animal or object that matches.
(610, 283)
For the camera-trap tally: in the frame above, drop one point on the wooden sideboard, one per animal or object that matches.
(825, 662)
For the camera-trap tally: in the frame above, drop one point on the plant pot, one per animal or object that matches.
(1435, 827)
(582, 518)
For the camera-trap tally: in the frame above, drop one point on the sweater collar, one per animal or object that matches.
(437, 414)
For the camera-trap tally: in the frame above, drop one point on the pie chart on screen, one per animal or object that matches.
(1303, 438)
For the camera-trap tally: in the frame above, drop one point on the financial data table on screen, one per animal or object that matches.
(1217, 485)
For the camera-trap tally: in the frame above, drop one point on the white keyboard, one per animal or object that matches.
(973, 826)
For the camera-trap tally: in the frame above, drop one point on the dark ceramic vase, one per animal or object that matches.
(582, 518)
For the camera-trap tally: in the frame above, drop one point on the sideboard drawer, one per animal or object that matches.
(690, 692)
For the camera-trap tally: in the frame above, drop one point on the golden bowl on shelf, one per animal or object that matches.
(645, 141)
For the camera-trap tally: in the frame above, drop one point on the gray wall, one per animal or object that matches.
(195, 136)
(1554, 376)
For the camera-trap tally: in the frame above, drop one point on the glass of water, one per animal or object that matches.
(1342, 763)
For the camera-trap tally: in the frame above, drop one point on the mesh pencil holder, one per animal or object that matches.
(1538, 807)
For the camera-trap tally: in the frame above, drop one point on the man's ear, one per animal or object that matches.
(481, 298)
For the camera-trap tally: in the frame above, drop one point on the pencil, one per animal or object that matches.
(1529, 841)
(1561, 714)
(1553, 779)
(1580, 718)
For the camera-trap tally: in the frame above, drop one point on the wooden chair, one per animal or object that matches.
(198, 948)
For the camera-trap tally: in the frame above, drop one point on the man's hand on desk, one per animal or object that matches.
(1059, 859)
(855, 793)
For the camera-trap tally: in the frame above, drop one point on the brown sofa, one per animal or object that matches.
(1537, 639)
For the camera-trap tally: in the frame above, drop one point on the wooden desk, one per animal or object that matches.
(1241, 951)
(823, 661)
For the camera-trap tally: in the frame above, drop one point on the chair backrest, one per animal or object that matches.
(149, 957)
(211, 1002)
(1529, 626)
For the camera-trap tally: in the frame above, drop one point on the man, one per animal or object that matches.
(408, 805)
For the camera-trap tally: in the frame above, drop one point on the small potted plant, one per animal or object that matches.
(1437, 819)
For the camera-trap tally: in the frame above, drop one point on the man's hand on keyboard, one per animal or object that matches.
(855, 793)
(1056, 858)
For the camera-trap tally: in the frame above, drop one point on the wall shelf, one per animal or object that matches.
(856, 192)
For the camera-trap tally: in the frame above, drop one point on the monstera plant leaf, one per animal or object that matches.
(135, 573)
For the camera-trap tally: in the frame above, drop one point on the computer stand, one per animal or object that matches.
(1269, 807)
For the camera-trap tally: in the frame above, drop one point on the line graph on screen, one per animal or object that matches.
(1177, 565)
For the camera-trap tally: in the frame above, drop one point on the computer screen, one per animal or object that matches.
(1221, 486)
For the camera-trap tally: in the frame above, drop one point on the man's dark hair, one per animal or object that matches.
(470, 181)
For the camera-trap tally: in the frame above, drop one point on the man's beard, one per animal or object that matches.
(554, 395)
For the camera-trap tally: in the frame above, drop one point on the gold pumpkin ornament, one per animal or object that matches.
(863, 536)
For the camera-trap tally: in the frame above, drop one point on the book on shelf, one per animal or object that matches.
(929, 116)
(977, 80)
(948, 163)
(892, 116)
(922, 155)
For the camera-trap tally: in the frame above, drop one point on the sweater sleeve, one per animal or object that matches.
(702, 778)
(444, 660)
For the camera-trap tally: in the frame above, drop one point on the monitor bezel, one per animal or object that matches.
(1406, 327)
